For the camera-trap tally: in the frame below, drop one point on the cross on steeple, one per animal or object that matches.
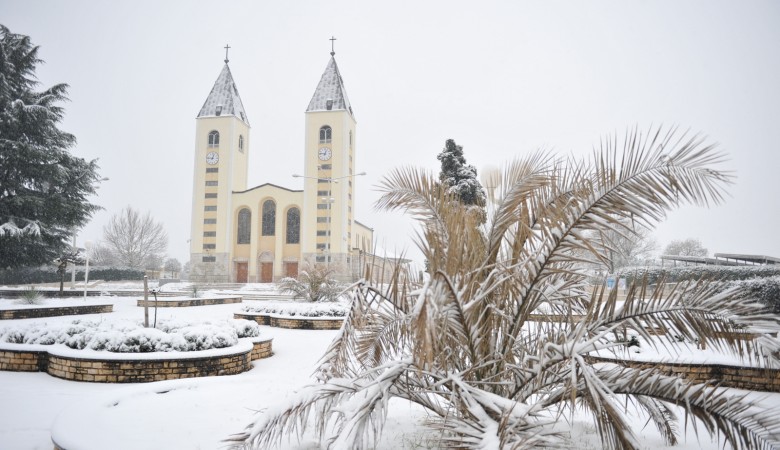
(332, 51)
(227, 47)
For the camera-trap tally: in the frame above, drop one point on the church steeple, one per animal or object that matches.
(330, 94)
(224, 99)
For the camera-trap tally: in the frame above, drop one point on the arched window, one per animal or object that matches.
(241, 143)
(244, 226)
(293, 226)
(326, 133)
(269, 218)
(214, 139)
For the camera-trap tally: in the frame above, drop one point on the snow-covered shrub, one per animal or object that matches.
(30, 296)
(300, 309)
(686, 273)
(204, 337)
(766, 290)
(131, 337)
(12, 336)
(245, 328)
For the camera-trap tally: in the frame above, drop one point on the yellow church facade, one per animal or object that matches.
(264, 233)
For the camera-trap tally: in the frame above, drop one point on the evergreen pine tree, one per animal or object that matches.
(44, 189)
(460, 177)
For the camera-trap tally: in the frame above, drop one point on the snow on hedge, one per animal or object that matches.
(126, 336)
(301, 309)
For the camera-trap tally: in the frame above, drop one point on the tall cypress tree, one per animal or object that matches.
(460, 177)
(44, 189)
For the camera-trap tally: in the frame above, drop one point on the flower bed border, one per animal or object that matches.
(751, 378)
(295, 323)
(124, 368)
(186, 302)
(54, 311)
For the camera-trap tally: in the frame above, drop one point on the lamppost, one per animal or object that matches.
(329, 200)
(73, 232)
(87, 248)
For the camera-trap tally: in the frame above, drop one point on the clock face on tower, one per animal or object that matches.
(212, 157)
(324, 154)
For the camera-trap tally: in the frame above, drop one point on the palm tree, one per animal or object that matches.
(499, 340)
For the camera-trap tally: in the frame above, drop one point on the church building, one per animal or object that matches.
(263, 233)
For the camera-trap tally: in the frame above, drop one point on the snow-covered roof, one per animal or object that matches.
(755, 259)
(225, 95)
(331, 87)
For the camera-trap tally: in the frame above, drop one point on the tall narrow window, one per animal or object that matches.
(241, 143)
(244, 226)
(326, 134)
(293, 226)
(269, 218)
(214, 139)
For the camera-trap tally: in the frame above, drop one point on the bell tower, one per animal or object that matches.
(329, 163)
(221, 154)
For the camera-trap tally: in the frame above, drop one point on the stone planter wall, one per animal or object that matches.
(131, 370)
(32, 313)
(23, 361)
(297, 323)
(751, 378)
(142, 371)
(262, 349)
(183, 303)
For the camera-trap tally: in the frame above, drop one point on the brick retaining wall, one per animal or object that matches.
(23, 360)
(141, 371)
(32, 313)
(296, 323)
(183, 303)
(131, 370)
(751, 378)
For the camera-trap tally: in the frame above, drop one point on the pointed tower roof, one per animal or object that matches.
(331, 87)
(224, 94)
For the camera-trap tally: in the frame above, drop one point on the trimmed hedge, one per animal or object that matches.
(684, 273)
(762, 282)
(30, 275)
(767, 290)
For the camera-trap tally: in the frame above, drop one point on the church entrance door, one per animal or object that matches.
(291, 269)
(266, 272)
(241, 272)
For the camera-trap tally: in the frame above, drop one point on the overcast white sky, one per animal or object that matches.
(502, 78)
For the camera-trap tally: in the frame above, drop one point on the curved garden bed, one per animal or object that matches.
(297, 323)
(183, 302)
(53, 311)
(108, 367)
(740, 377)
(297, 315)
(124, 351)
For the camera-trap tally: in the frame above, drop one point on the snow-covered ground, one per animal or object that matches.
(199, 413)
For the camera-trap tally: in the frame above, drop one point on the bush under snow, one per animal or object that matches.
(132, 337)
(302, 309)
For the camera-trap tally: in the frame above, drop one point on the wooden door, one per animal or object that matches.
(266, 272)
(291, 269)
(241, 272)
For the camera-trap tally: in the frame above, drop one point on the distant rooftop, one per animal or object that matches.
(755, 259)
(330, 93)
(224, 99)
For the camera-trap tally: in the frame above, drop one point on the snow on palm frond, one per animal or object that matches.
(502, 337)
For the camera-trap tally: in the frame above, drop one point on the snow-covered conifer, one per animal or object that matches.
(44, 189)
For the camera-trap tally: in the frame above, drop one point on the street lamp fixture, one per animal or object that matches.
(87, 248)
